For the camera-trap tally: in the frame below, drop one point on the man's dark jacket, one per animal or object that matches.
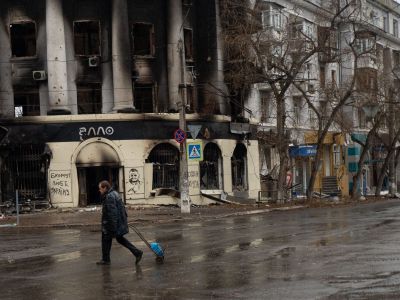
(114, 220)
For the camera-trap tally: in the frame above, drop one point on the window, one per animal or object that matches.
(297, 106)
(190, 96)
(165, 159)
(365, 42)
(144, 97)
(395, 28)
(303, 29)
(188, 38)
(89, 98)
(266, 99)
(26, 103)
(23, 39)
(211, 168)
(361, 118)
(272, 17)
(396, 58)
(143, 39)
(25, 170)
(239, 168)
(87, 38)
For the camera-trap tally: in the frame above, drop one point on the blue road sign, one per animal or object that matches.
(179, 136)
(194, 151)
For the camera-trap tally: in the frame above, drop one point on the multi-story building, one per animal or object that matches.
(372, 29)
(92, 89)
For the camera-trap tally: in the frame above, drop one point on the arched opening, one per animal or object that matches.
(95, 162)
(239, 168)
(211, 168)
(165, 160)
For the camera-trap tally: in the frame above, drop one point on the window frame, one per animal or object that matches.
(151, 39)
(88, 38)
(12, 43)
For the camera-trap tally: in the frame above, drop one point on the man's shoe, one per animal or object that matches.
(102, 262)
(139, 257)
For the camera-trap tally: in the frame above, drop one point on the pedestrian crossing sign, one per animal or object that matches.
(194, 151)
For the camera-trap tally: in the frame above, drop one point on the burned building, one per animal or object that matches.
(91, 90)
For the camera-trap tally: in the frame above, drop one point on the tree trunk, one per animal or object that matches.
(282, 146)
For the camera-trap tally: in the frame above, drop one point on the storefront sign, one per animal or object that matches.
(303, 151)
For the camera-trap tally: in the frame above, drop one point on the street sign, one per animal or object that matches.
(194, 130)
(179, 136)
(195, 151)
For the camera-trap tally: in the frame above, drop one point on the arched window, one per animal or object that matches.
(211, 168)
(165, 159)
(239, 168)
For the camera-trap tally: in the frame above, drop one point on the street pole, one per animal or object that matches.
(183, 166)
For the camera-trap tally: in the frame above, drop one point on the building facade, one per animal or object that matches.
(91, 90)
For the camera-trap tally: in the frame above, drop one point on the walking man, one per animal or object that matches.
(114, 223)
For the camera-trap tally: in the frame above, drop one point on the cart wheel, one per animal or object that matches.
(160, 259)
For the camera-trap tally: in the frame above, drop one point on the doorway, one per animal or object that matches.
(89, 178)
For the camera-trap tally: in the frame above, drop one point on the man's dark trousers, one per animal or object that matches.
(106, 242)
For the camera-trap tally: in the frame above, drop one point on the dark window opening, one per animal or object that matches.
(165, 159)
(190, 96)
(87, 38)
(26, 103)
(23, 39)
(188, 38)
(143, 39)
(25, 170)
(211, 168)
(144, 97)
(89, 98)
(239, 168)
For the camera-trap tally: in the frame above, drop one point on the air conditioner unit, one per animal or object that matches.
(94, 61)
(39, 75)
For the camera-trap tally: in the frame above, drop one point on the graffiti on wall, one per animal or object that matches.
(60, 184)
(134, 184)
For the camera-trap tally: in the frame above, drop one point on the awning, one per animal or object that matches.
(303, 150)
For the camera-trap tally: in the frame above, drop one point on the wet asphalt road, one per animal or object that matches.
(329, 253)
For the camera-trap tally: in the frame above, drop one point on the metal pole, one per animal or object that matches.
(17, 205)
(183, 166)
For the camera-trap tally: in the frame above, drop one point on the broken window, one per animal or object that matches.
(23, 39)
(87, 38)
(89, 98)
(239, 168)
(143, 39)
(25, 170)
(26, 103)
(211, 168)
(188, 38)
(144, 97)
(165, 159)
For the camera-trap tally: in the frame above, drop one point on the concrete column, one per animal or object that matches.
(56, 59)
(121, 61)
(107, 91)
(6, 88)
(174, 34)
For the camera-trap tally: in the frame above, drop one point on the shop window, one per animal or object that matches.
(26, 103)
(89, 98)
(188, 37)
(25, 170)
(165, 159)
(211, 168)
(87, 38)
(143, 39)
(23, 39)
(144, 97)
(239, 168)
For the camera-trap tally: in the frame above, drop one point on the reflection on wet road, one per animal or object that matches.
(335, 253)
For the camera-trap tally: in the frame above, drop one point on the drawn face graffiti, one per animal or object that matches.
(134, 176)
(134, 180)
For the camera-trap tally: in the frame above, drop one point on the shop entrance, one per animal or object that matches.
(89, 178)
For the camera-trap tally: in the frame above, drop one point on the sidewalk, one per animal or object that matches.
(155, 214)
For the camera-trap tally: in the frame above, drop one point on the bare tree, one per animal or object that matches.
(277, 55)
